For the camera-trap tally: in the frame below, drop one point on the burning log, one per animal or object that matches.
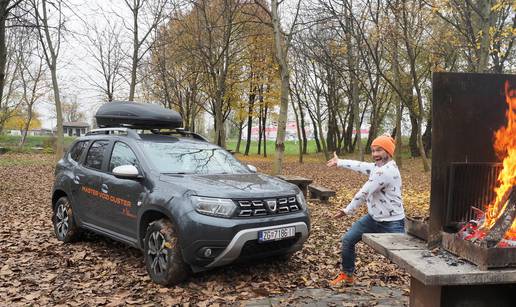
(504, 222)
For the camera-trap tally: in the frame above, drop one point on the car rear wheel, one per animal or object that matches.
(65, 228)
(163, 258)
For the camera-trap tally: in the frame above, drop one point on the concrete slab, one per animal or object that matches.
(437, 267)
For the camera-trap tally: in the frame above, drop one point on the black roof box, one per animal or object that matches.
(137, 115)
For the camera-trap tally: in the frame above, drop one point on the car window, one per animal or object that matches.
(76, 151)
(122, 155)
(96, 154)
(192, 158)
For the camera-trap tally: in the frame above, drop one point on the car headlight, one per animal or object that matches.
(214, 206)
(301, 200)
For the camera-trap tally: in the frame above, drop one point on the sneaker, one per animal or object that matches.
(342, 278)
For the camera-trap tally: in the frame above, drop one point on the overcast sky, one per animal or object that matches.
(74, 63)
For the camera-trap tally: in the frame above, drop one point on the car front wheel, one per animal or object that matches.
(163, 258)
(64, 224)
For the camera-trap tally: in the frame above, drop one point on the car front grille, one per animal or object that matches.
(266, 206)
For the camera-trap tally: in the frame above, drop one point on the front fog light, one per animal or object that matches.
(301, 200)
(214, 206)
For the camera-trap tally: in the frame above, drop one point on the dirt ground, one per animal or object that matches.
(37, 269)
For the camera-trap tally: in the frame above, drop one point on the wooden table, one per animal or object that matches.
(301, 182)
(442, 279)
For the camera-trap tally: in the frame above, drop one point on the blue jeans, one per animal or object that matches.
(365, 224)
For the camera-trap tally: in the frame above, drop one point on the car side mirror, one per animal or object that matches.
(126, 172)
(252, 168)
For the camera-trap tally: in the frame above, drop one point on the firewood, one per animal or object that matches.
(504, 222)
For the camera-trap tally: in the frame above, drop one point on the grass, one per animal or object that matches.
(292, 148)
(24, 160)
(11, 142)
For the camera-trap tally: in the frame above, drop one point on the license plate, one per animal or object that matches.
(276, 234)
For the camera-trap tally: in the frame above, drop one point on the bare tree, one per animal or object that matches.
(50, 37)
(106, 49)
(151, 13)
(6, 6)
(282, 43)
(32, 79)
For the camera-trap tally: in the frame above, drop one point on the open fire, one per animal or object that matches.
(495, 226)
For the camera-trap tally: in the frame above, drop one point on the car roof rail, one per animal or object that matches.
(114, 131)
(182, 132)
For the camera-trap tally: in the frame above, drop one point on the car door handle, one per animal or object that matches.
(77, 179)
(104, 188)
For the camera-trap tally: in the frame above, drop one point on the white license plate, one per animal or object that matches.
(276, 234)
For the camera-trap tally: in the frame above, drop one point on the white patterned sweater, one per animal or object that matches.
(382, 192)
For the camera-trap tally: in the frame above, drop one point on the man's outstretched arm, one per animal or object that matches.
(357, 166)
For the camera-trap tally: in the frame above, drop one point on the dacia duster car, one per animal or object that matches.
(188, 204)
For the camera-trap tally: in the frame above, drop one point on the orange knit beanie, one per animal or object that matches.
(385, 142)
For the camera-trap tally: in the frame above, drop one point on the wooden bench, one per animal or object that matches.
(322, 193)
(301, 182)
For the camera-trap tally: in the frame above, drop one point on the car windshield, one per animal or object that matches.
(192, 158)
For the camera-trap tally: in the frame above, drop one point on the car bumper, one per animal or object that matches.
(231, 239)
(233, 250)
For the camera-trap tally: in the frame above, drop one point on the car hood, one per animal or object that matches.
(233, 185)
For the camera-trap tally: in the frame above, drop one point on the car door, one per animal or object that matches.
(87, 177)
(75, 157)
(125, 195)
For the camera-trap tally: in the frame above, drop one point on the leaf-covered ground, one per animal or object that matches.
(37, 269)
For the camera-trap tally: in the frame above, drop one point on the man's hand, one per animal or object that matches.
(339, 214)
(333, 161)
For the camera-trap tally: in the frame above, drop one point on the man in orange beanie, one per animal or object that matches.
(382, 193)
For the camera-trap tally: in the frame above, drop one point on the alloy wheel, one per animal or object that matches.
(158, 253)
(62, 220)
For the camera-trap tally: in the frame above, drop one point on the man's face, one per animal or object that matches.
(380, 156)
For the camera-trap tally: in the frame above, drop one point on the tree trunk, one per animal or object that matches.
(26, 128)
(348, 138)
(3, 48)
(134, 64)
(486, 20)
(281, 57)
(399, 141)
(249, 124)
(59, 114)
(427, 136)
(316, 133)
(399, 103)
(323, 142)
(260, 130)
(300, 141)
(264, 127)
(353, 65)
(303, 129)
(413, 142)
(239, 140)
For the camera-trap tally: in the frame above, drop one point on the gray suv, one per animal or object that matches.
(188, 204)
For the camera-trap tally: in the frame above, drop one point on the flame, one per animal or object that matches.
(505, 147)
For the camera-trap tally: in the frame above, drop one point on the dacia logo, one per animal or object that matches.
(272, 205)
